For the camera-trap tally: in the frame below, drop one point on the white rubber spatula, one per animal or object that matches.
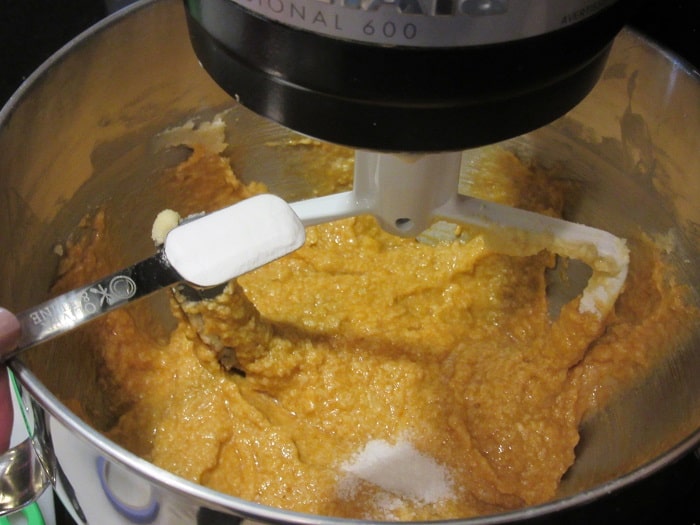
(203, 252)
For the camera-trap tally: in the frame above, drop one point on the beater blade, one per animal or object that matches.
(407, 193)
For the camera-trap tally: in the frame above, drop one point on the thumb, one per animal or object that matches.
(9, 330)
(9, 334)
(5, 410)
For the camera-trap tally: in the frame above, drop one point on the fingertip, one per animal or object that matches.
(9, 330)
(5, 410)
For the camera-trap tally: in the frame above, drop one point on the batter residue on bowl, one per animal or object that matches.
(383, 377)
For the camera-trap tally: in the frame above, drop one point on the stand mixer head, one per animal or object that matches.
(406, 75)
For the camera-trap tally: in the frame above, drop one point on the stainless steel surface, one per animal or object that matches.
(424, 24)
(70, 140)
(23, 477)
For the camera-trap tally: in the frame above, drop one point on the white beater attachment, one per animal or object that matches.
(407, 193)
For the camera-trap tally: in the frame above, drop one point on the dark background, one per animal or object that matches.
(31, 30)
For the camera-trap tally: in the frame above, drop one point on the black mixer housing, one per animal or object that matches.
(400, 97)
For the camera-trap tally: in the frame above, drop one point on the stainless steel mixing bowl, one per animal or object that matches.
(80, 132)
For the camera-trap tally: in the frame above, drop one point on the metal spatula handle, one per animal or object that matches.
(206, 251)
(71, 309)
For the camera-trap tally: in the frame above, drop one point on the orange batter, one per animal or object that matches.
(373, 376)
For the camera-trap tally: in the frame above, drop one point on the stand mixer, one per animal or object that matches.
(411, 83)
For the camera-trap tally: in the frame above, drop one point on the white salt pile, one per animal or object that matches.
(401, 470)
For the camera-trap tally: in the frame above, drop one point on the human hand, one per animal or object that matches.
(9, 335)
